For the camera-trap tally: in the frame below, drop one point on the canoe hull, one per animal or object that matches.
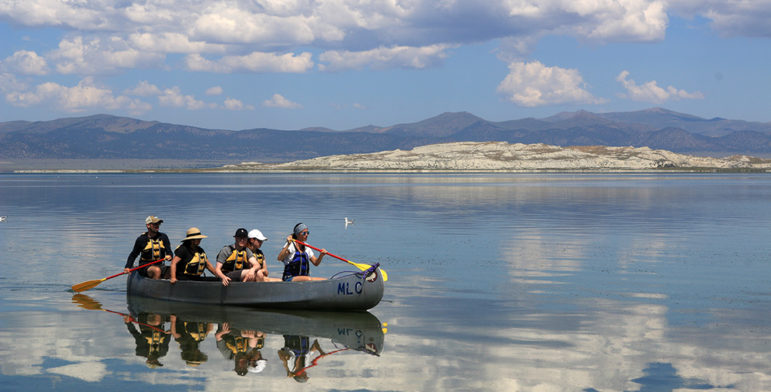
(353, 292)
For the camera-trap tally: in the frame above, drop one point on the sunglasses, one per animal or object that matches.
(305, 232)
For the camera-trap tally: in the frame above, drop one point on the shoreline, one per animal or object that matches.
(389, 171)
(457, 157)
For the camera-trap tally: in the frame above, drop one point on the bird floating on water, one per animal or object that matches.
(348, 222)
(3, 218)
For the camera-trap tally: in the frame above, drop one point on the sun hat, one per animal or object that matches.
(259, 366)
(258, 235)
(153, 219)
(193, 233)
(241, 233)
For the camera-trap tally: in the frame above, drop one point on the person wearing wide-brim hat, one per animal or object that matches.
(190, 259)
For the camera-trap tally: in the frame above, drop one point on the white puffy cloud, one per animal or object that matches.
(617, 20)
(26, 62)
(735, 18)
(214, 90)
(234, 104)
(96, 56)
(379, 58)
(278, 101)
(651, 92)
(85, 95)
(113, 36)
(224, 23)
(9, 83)
(253, 62)
(81, 15)
(86, 371)
(534, 84)
(174, 97)
(171, 42)
(144, 89)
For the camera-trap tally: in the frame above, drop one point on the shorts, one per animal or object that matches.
(234, 275)
(143, 271)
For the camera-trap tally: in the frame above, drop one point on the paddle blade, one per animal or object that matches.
(87, 285)
(365, 267)
(86, 302)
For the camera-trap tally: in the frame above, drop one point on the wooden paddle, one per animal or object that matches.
(90, 284)
(360, 266)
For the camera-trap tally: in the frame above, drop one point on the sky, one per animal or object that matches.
(342, 64)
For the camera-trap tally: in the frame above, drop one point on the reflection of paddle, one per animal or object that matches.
(315, 361)
(89, 303)
(88, 285)
(360, 266)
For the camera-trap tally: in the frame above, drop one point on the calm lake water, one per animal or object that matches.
(510, 282)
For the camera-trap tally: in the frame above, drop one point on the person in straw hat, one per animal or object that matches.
(190, 259)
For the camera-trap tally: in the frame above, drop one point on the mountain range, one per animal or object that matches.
(111, 137)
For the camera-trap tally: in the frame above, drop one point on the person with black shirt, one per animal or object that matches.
(190, 259)
(150, 246)
(152, 342)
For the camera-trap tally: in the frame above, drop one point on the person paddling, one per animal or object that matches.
(150, 246)
(190, 259)
(296, 257)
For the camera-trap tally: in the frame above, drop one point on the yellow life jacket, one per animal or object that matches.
(236, 261)
(153, 249)
(197, 264)
(240, 344)
(155, 341)
(199, 330)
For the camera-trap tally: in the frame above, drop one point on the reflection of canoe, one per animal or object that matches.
(351, 292)
(357, 330)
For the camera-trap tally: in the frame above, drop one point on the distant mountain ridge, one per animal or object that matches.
(107, 137)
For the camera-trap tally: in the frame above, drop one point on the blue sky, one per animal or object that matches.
(290, 64)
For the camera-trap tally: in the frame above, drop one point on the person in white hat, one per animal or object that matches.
(256, 238)
(150, 246)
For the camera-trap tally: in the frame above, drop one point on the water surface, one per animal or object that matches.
(558, 282)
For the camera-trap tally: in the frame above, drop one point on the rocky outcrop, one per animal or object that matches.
(502, 156)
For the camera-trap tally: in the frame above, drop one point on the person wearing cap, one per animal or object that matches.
(296, 257)
(150, 246)
(236, 261)
(152, 341)
(190, 259)
(256, 238)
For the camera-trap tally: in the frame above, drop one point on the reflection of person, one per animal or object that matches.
(296, 257)
(243, 347)
(236, 261)
(190, 259)
(189, 335)
(296, 350)
(150, 246)
(152, 343)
